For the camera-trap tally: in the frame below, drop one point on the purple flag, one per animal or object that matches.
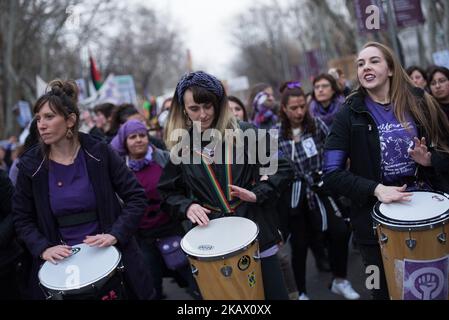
(408, 13)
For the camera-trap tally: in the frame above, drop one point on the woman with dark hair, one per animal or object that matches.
(147, 163)
(127, 112)
(310, 209)
(238, 108)
(418, 76)
(439, 87)
(326, 98)
(384, 129)
(66, 193)
(222, 187)
(103, 117)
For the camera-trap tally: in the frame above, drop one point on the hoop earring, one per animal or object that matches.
(69, 134)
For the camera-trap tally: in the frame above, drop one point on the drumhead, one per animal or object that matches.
(86, 264)
(424, 208)
(220, 237)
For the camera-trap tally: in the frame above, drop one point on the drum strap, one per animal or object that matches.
(224, 196)
(76, 219)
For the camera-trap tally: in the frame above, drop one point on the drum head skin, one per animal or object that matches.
(220, 237)
(424, 206)
(85, 266)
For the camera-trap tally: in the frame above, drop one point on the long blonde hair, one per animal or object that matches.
(426, 111)
(178, 119)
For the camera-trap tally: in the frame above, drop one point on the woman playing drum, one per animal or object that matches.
(396, 138)
(67, 189)
(210, 189)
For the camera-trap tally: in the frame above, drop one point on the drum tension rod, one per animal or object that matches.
(411, 243)
(442, 237)
(383, 238)
(194, 270)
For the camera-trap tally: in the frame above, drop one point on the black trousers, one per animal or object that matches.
(371, 255)
(273, 281)
(302, 227)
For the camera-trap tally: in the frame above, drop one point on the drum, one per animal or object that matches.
(224, 256)
(89, 273)
(413, 241)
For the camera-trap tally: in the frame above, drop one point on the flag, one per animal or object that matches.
(41, 86)
(109, 92)
(95, 73)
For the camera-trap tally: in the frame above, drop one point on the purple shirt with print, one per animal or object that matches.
(71, 192)
(395, 140)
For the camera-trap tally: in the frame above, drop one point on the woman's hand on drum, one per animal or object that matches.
(198, 214)
(53, 254)
(100, 240)
(386, 194)
(243, 194)
(420, 154)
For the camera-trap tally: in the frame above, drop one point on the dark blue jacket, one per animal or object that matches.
(110, 177)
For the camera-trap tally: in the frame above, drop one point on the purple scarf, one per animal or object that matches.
(327, 115)
(137, 165)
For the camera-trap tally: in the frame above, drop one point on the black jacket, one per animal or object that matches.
(10, 250)
(354, 131)
(184, 184)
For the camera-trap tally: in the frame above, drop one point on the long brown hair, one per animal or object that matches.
(425, 111)
(286, 127)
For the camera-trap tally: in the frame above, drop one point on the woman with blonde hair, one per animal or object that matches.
(395, 136)
(199, 193)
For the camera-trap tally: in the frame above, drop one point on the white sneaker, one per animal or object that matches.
(344, 289)
(303, 296)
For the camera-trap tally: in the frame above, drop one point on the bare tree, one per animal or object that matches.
(34, 40)
(148, 48)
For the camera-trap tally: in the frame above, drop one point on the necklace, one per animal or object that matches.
(72, 160)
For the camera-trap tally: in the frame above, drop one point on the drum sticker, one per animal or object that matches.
(75, 250)
(252, 279)
(244, 263)
(425, 279)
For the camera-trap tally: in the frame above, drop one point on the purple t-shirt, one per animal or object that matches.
(71, 192)
(395, 140)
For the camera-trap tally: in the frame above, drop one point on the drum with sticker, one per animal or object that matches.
(414, 245)
(224, 257)
(89, 273)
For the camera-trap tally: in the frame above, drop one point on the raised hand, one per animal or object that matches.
(420, 154)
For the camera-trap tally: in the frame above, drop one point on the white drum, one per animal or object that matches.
(86, 270)
(224, 257)
(414, 245)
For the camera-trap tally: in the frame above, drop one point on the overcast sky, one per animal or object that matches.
(206, 30)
